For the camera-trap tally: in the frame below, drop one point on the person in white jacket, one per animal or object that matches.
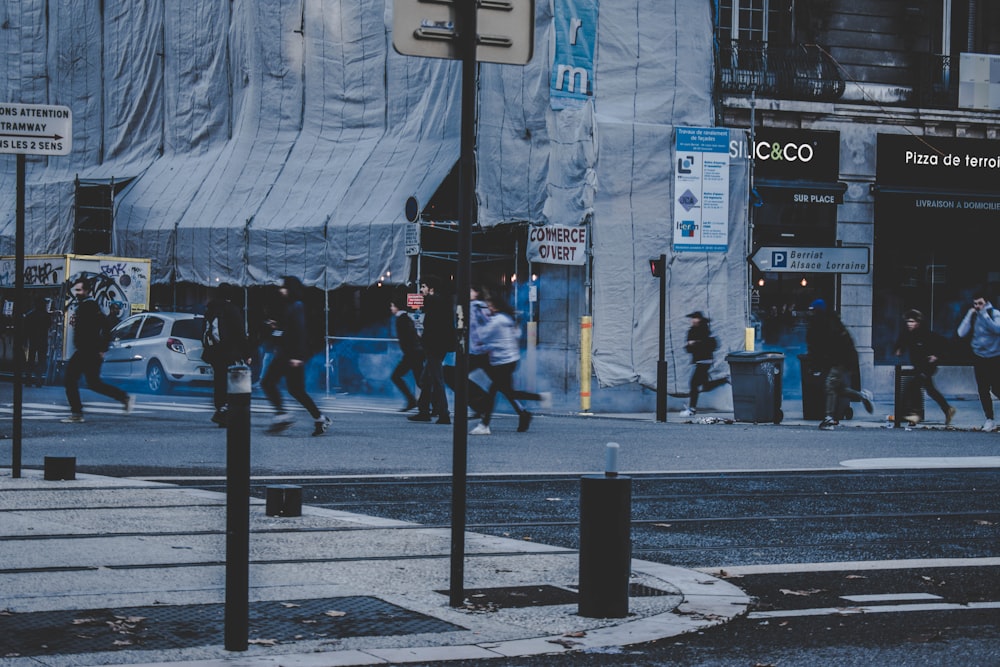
(500, 337)
(982, 321)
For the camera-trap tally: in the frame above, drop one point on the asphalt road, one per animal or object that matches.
(862, 546)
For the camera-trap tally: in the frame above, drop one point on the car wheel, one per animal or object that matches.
(156, 378)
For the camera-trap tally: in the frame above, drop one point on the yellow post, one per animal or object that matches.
(586, 331)
(749, 334)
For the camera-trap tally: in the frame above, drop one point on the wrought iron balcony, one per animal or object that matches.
(802, 72)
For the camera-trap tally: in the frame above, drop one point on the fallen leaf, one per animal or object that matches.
(290, 605)
(579, 633)
(811, 591)
(84, 621)
(983, 522)
(662, 525)
(855, 576)
(565, 643)
(263, 642)
(122, 642)
(335, 614)
(553, 500)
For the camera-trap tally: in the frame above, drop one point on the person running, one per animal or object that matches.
(90, 340)
(437, 340)
(831, 350)
(924, 347)
(413, 354)
(701, 346)
(224, 343)
(500, 337)
(290, 360)
(982, 324)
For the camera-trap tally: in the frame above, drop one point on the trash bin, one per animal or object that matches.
(756, 381)
(903, 404)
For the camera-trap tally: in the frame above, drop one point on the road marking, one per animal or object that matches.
(891, 597)
(903, 564)
(877, 609)
(925, 462)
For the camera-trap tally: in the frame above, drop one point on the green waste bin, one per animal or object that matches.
(756, 381)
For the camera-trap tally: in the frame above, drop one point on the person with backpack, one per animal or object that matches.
(982, 324)
(91, 339)
(224, 343)
(701, 346)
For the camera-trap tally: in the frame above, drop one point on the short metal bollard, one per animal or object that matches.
(605, 541)
(283, 500)
(60, 467)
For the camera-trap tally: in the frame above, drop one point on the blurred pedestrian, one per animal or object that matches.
(413, 353)
(224, 343)
(37, 323)
(924, 348)
(438, 340)
(982, 324)
(701, 346)
(500, 336)
(90, 340)
(290, 360)
(831, 350)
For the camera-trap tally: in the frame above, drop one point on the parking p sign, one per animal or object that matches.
(779, 259)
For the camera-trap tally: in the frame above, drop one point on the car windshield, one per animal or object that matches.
(188, 328)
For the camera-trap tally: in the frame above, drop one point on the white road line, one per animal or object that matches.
(925, 462)
(891, 597)
(848, 566)
(878, 609)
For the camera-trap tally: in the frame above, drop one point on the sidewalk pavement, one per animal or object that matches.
(99, 571)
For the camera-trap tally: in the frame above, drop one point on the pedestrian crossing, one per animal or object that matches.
(165, 406)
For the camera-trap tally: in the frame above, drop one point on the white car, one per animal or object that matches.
(157, 349)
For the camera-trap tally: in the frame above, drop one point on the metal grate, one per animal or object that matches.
(163, 627)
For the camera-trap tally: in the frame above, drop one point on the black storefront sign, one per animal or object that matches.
(796, 166)
(939, 173)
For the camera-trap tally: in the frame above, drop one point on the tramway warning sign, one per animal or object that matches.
(812, 260)
(35, 129)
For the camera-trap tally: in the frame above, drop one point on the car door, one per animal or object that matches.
(119, 358)
(148, 344)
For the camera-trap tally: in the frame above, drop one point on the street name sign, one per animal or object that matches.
(35, 129)
(505, 29)
(812, 260)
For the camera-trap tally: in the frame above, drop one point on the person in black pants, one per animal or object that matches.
(289, 360)
(438, 340)
(925, 349)
(224, 343)
(701, 346)
(90, 338)
(413, 354)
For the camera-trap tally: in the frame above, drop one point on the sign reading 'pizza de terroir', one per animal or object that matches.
(35, 129)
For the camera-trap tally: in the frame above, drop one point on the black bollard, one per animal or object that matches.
(283, 500)
(237, 614)
(605, 542)
(60, 468)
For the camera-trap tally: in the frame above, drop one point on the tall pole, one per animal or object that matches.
(661, 364)
(18, 320)
(466, 15)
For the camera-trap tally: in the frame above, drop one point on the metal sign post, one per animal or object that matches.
(451, 29)
(27, 129)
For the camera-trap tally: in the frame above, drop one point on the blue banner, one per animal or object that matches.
(572, 80)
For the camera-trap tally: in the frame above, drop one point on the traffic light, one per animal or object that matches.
(656, 266)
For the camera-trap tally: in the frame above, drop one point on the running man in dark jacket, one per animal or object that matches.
(290, 360)
(831, 351)
(925, 349)
(90, 338)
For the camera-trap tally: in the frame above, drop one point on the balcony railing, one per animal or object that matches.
(801, 72)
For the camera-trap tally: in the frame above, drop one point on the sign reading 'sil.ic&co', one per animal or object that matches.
(35, 129)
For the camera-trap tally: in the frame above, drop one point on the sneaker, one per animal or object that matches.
(523, 421)
(949, 414)
(443, 419)
(689, 412)
(546, 402)
(828, 423)
(74, 418)
(281, 422)
(913, 420)
(321, 425)
(989, 425)
(866, 400)
(409, 406)
(481, 429)
(129, 403)
(420, 417)
(220, 417)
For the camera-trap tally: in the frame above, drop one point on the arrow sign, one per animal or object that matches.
(774, 259)
(35, 129)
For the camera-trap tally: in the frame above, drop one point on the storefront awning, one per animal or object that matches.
(800, 192)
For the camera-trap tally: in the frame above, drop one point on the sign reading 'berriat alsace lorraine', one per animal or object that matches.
(35, 129)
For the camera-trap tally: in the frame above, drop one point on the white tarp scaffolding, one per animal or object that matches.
(270, 137)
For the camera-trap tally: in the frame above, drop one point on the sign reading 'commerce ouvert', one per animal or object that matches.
(557, 244)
